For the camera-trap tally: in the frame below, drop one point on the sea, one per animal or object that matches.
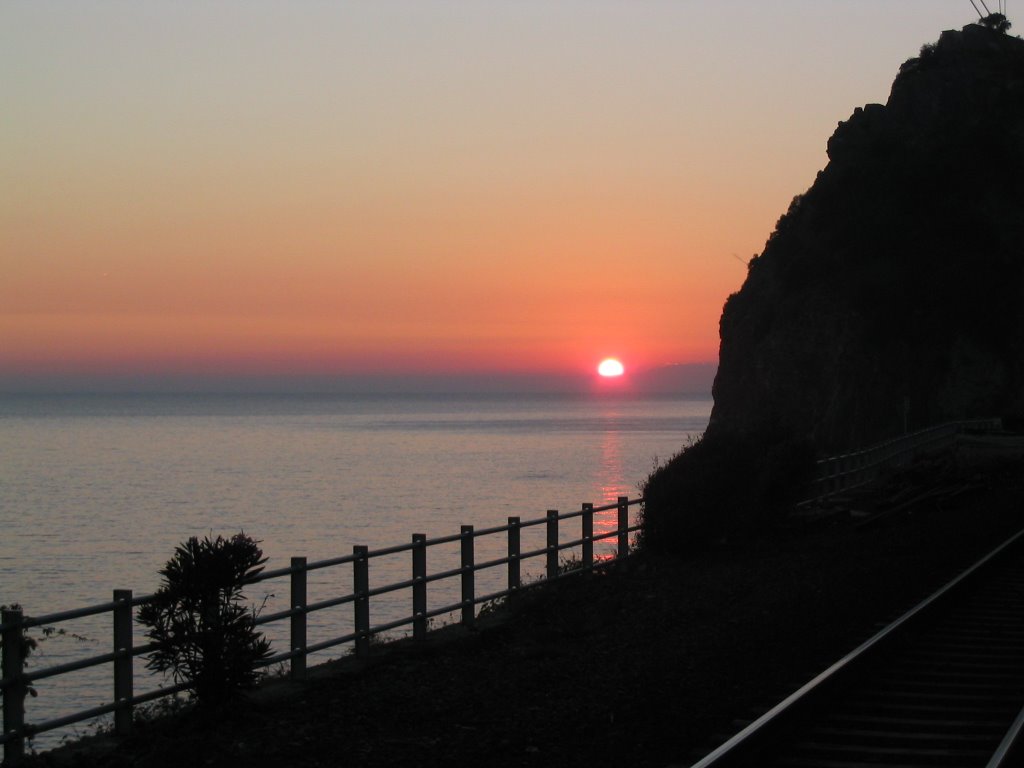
(97, 490)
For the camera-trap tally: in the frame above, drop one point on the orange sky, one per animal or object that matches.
(409, 187)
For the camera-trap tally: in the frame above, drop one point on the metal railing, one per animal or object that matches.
(17, 679)
(852, 470)
(738, 749)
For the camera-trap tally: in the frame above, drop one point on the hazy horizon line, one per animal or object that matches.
(679, 379)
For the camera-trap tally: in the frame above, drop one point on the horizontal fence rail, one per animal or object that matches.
(17, 678)
(852, 470)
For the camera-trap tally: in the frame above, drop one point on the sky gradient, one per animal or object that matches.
(341, 189)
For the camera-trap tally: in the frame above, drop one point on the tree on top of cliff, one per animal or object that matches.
(996, 21)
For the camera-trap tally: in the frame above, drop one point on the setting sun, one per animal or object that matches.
(610, 367)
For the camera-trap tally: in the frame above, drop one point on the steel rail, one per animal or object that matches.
(1010, 747)
(739, 748)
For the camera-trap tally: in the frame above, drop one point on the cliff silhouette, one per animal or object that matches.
(890, 296)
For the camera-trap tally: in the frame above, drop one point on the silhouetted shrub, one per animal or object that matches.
(721, 488)
(207, 638)
(996, 21)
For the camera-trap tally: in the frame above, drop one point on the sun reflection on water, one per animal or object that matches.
(610, 478)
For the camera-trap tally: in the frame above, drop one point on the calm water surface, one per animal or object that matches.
(96, 491)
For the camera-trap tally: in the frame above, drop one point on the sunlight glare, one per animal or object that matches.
(610, 367)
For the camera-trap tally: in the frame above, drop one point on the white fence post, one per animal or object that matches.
(514, 579)
(298, 622)
(419, 587)
(361, 605)
(123, 676)
(588, 536)
(468, 577)
(552, 546)
(623, 527)
(14, 692)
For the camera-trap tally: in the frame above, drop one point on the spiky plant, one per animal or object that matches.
(206, 637)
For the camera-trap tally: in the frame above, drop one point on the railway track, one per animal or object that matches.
(943, 685)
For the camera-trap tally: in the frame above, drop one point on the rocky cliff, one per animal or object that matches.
(891, 294)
